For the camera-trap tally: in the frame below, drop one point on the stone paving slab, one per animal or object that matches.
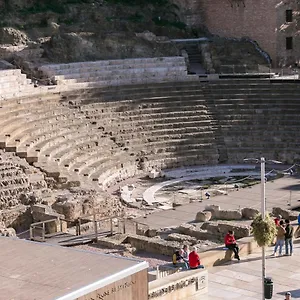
(242, 280)
(278, 193)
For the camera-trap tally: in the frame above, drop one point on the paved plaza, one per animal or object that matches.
(242, 280)
(281, 192)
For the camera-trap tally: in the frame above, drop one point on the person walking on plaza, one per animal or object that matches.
(288, 296)
(231, 244)
(194, 260)
(280, 238)
(289, 232)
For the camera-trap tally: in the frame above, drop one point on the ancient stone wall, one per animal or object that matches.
(262, 21)
(248, 18)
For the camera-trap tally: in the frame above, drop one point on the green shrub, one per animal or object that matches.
(264, 231)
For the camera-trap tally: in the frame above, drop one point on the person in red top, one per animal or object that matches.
(231, 244)
(277, 220)
(194, 260)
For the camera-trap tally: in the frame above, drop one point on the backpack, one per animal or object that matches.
(176, 257)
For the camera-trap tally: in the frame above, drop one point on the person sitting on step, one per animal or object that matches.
(231, 244)
(194, 260)
(184, 253)
(176, 258)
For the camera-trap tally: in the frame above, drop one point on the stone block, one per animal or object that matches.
(182, 238)
(10, 232)
(228, 254)
(219, 229)
(249, 213)
(194, 231)
(203, 216)
(285, 213)
(212, 207)
(227, 214)
(153, 245)
(151, 232)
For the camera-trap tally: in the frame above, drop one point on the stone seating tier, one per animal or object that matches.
(122, 62)
(113, 68)
(127, 81)
(131, 71)
(111, 138)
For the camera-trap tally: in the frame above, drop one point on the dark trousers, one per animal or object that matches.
(234, 248)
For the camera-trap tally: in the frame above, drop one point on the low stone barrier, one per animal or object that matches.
(189, 284)
(220, 255)
(216, 230)
(285, 213)
(153, 245)
(219, 229)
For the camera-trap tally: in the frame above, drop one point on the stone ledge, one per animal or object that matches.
(188, 284)
(219, 256)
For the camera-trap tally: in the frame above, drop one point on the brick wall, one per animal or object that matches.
(260, 20)
(249, 18)
(285, 29)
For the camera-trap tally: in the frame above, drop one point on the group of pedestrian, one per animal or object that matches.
(190, 260)
(285, 233)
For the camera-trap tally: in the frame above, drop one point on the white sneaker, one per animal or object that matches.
(291, 254)
(273, 254)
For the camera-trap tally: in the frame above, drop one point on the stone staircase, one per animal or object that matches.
(119, 72)
(193, 52)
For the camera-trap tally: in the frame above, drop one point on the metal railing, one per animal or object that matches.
(164, 271)
(106, 226)
(37, 230)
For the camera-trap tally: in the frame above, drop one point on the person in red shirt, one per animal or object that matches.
(277, 220)
(231, 244)
(194, 260)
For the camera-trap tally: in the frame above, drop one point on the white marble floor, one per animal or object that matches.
(243, 280)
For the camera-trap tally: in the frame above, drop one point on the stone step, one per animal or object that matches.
(129, 81)
(100, 63)
(122, 73)
(116, 68)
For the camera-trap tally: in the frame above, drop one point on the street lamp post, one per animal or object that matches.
(263, 212)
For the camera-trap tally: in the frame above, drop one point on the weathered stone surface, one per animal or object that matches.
(71, 47)
(18, 217)
(153, 245)
(203, 216)
(151, 232)
(219, 229)
(249, 213)
(79, 202)
(285, 213)
(194, 231)
(212, 207)
(182, 238)
(12, 36)
(227, 214)
(41, 212)
(10, 232)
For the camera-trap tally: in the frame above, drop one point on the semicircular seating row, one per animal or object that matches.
(119, 71)
(103, 135)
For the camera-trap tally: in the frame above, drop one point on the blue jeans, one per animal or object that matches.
(199, 267)
(288, 243)
(279, 243)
